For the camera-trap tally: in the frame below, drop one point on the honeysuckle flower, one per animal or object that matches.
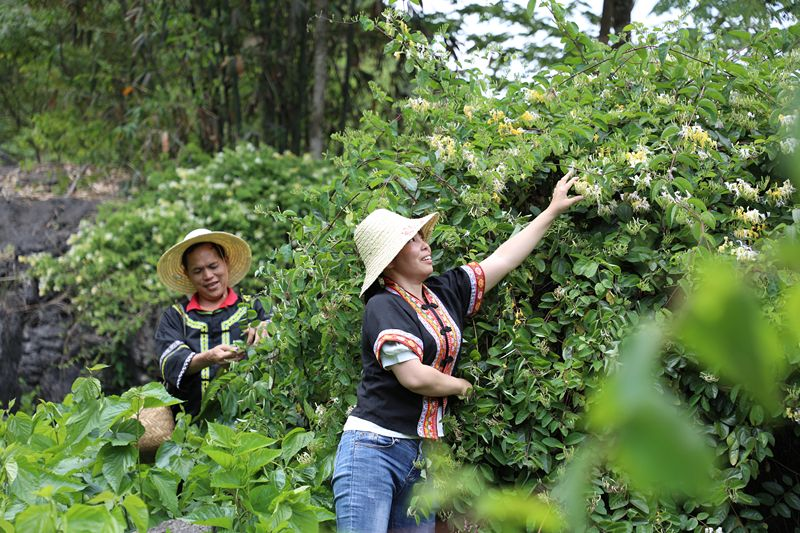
(642, 181)
(697, 136)
(750, 216)
(527, 117)
(787, 120)
(638, 157)
(468, 111)
(745, 152)
(420, 105)
(665, 99)
(744, 234)
(507, 128)
(638, 204)
(496, 116)
(742, 189)
(607, 208)
(536, 96)
(739, 250)
(779, 196)
(444, 145)
(591, 191)
(788, 146)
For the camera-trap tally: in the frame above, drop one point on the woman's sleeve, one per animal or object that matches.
(467, 284)
(385, 320)
(170, 343)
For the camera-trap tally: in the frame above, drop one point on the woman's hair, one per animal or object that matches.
(217, 248)
(373, 289)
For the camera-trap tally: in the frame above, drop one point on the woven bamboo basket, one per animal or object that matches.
(158, 426)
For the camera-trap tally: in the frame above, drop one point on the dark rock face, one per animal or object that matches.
(39, 337)
(33, 329)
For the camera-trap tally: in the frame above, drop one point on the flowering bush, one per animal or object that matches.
(680, 148)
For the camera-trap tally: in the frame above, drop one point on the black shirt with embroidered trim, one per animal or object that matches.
(431, 329)
(182, 334)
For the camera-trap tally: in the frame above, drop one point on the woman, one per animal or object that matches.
(411, 335)
(195, 338)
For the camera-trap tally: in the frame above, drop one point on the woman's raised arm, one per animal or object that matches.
(513, 252)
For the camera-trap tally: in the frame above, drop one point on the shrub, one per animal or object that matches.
(679, 143)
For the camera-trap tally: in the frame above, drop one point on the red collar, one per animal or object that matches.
(231, 299)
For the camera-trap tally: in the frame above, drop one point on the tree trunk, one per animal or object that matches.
(317, 119)
(348, 67)
(616, 15)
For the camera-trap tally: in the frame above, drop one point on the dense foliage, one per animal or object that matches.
(74, 466)
(114, 257)
(680, 142)
(148, 79)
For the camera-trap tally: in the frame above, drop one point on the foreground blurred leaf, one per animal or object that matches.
(725, 327)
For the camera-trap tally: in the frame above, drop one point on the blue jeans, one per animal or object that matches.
(373, 477)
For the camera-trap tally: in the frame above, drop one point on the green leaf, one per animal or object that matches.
(81, 518)
(531, 8)
(222, 458)
(117, 461)
(213, 515)
(166, 484)
(294, 441)
(221, 435)
(235, 478)
(725, 327)
(137, 512)
(36, 518)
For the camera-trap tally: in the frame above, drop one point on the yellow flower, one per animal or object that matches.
(535, 96)
(527, 117)
(468, 111)
(506, 128)
(497, 116)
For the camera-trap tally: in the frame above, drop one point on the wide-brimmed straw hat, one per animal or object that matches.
(170, 266)
(381, 236)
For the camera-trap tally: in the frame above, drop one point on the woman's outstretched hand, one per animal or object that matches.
(561, 200)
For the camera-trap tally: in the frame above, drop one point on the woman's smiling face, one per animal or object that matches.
(413, 261)
(208, 272)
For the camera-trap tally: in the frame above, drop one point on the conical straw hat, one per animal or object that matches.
(170, 266)
(381, 236)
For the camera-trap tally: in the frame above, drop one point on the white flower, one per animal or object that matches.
(420, 105)
(750, 216)
(779, 196)
(786, 120)
(639, 204)
(745, 152)
(742, 189)
(788, 146)
(642, 181)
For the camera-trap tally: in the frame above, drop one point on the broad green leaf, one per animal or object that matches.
(222, 458)
(36, 518)
(234, 478)
(94, 518)
(294, 441)
(137, 512)
(221, 435)
(166, 485)
(117, 461)
(725, 327)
